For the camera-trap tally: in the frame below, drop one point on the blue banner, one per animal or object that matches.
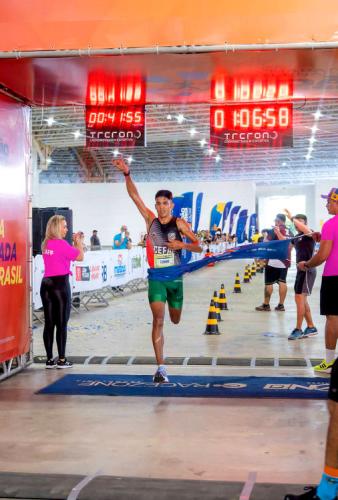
(277, 249)
(198, 209)
(252, 226)
(233, 214)
(226, 212)
(241, 225)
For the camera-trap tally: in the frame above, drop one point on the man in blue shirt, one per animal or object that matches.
(122, 240)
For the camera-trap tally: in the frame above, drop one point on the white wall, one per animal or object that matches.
(106, 207)
(323, 187)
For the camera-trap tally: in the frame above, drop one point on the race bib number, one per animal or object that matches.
(161, 260)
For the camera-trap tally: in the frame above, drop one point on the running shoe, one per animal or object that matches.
(50, 364)
(324, 367)
(310, 331)
(64, 363)
(296, 334)
(160, 376)
(263, 307)
(310, 494)
(280, 307)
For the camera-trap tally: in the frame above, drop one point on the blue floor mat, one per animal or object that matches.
(190, 386)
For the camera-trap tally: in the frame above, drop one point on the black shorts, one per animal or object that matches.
(333, 391)
(305, 281)
(329, 296)
(275, 275)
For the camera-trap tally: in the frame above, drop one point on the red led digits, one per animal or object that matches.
(245, 89)
(251, 117)
(114, 116)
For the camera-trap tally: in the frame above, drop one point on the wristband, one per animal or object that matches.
(126, 174)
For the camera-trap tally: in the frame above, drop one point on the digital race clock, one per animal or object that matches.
(109, 126)
(263, 124)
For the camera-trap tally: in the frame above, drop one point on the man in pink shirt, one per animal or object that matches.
(328, 253)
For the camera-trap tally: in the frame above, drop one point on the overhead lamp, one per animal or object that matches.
(202, 142)
(284, 164)
(192, 132)
(317, 114)
(169, 117)
(312, 139)
(314, 129)
(180, 118)
(217, 158)
(77, 134)
(130, 159)
(115, 153)
(211, 151)
(50, 121)
(310, 149)
(307, 157)
(48, 161)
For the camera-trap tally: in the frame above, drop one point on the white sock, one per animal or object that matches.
(162, 367)
(330, 355)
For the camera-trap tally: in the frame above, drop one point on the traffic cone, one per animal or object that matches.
(222, 300)
(218, 309)
(237, 286)
(249, 272)
(246, 276)
(262, 265)
(253, 269)
(212, 324)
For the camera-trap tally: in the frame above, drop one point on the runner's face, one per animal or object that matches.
(163, 206)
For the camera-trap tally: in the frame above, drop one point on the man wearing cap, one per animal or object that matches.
(328, 253)
(276, 270)
(304, 244)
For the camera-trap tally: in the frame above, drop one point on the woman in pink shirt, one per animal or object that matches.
(55, 289)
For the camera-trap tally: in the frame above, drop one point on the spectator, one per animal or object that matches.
(82, 236)
(304, 244)
(276, 270)
(122, 240)
(255, 238)
(94, 241)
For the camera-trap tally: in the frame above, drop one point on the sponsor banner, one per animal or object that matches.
(38, 270)
(14, 239)
(136, 263)
(119, 268)
(191, 386)
(91, 273)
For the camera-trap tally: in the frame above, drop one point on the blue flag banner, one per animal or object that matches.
(241, 225)
(266, 250)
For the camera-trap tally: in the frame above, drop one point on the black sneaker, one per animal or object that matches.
(263, 307)
(50, 364)
(280, 307)
(311, 494)
(64, 363)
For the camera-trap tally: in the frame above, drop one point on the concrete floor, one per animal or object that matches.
(124, 327)
(210, 439)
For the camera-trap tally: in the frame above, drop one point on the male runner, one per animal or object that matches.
(164, 245)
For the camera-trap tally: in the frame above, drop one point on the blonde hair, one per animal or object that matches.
(53, 230)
